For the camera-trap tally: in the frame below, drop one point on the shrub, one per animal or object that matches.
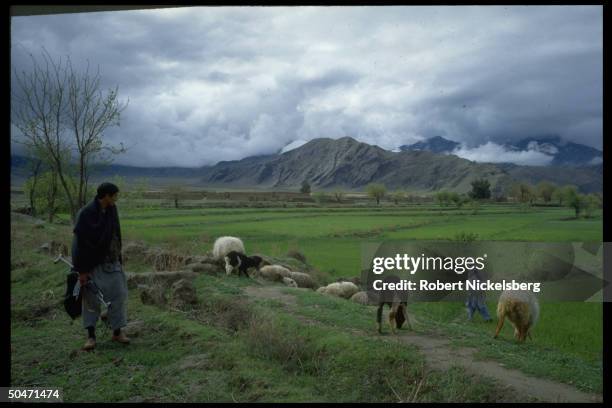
(466, 236)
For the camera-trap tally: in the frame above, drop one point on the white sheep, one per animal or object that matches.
(360, 297)
(274, 272)
(225, 245)
(303, 280)
(341, 289)
(290, 282)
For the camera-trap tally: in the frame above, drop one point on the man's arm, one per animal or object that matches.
(83, 244)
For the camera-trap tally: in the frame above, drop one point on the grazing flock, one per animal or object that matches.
(521, 308)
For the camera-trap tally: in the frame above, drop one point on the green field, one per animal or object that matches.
(331, 238)
(289, 359)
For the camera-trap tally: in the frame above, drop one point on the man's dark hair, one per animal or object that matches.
(106, 188)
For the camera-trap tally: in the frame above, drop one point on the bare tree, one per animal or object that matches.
(175, 191)
(398, 196)
(59, 112)
(338, 195)
(39, 106)
(545, 190)
(89, 113)
(376, 191)
(523, 192)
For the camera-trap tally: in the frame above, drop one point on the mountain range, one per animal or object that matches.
(348, 164)
(563, 153)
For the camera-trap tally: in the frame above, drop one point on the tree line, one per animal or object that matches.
(549, 193)
(544, 192)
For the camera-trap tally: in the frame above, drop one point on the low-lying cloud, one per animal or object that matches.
(494, 153)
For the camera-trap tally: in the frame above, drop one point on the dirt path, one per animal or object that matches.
(440, 355)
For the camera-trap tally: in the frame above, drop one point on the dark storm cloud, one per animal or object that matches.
(210, 84)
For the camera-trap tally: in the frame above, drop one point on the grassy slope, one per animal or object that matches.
(179, 358)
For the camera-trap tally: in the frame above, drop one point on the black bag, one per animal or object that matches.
(72, 304)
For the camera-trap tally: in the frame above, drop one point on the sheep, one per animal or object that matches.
(274, 273)
(303, 280)
(355, 279)
(341, 289)
(521, 308)
(242, 262)
(290, 282)
(360, 297)
(224, 245)
(277, 273)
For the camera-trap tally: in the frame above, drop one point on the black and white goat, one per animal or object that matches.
(235, 259)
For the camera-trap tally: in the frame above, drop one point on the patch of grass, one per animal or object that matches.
(457, 385)
(291, 348)
(565, 347)
(227, 311)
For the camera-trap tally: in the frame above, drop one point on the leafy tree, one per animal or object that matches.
(398, 196)
(305, 187)
(320, 197)
(560, 194)
(475, 206)
(443, 198)
(376, 191)
(593, 202)
(481, 189)
(574, 199)
(46, 197)
(457, 199)
(545, 190)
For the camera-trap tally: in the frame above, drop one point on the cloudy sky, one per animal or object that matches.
(222, 83)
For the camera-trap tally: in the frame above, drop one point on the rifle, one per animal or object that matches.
(77, 287)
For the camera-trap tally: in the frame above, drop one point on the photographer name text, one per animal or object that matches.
(437, 285)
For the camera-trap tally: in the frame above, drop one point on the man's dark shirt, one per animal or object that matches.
(94, 231)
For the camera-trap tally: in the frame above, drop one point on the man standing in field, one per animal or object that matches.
(96, 256)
